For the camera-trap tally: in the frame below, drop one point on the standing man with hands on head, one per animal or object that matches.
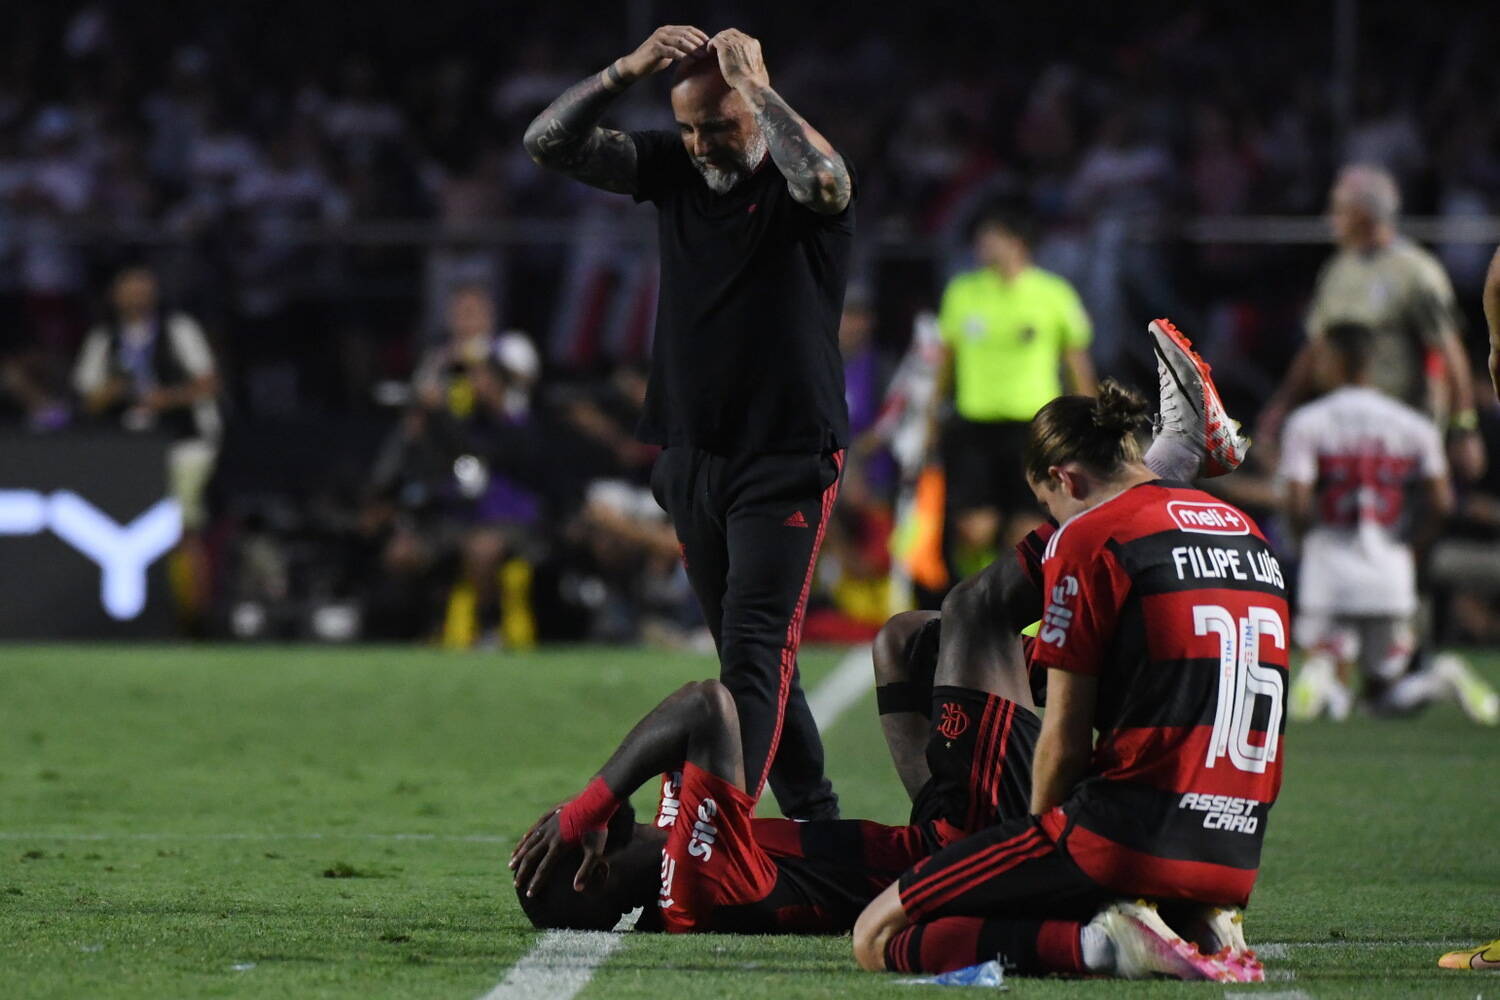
(746, 393)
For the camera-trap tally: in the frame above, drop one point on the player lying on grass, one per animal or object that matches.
(954, 790)
(711, 867)
(1165, 629)
(959, 720)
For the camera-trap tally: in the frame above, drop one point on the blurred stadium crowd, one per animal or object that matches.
(416, 357)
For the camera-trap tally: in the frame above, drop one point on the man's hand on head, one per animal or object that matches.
(1495, 370)
(538, 851)
(740, 60)
(667, 45)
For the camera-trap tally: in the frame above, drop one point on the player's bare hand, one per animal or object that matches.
(740, 59)
(520, 847)
(666, 45)
(592, 843)
(1495, 370)
(538, 851)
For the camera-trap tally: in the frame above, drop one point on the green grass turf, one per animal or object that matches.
(169, 817)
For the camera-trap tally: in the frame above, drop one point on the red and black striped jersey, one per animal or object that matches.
(724, 872)
(827, 871)
(1174, 601)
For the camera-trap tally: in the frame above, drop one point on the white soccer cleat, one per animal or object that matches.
(1472, 692)
(1219, 932)
(1190, 405)
(1145, 947)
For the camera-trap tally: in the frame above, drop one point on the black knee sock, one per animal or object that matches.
(1027, 947)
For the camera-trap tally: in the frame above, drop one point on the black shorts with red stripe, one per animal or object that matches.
(979, 748)
(979, 751)
(1014, 869)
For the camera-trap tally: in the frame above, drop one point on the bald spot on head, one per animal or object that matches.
(699, 92)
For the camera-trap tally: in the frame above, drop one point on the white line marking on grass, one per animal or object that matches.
(1284, 948)
(1282, 995)
(562, 963)
(474, 838)
(850, 681)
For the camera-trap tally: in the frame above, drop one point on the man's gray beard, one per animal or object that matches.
(720, 181)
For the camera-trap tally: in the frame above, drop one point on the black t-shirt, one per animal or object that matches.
(746, 357)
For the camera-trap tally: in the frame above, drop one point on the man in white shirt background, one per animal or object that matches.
(1350, 462)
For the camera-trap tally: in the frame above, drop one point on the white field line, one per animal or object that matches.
(1283, 949)
(851, 680)
(562, 963)
(473, 838)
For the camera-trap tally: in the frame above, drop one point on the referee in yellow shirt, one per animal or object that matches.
(1010, 332)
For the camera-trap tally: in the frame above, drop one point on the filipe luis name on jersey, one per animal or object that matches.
(1212, 562)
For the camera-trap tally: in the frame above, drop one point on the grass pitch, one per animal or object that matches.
(299, 822)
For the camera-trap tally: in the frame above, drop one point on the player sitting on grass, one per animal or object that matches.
(1171, 803)
(711, 867)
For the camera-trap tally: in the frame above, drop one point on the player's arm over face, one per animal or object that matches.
(566, 136)
(696, 723)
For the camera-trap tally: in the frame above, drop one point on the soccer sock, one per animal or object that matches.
(1029, 947)
(1173, 458)
(936, 946)
(1059, 947)
(1095, 949)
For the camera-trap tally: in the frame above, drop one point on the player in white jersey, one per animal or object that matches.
(1351, 463)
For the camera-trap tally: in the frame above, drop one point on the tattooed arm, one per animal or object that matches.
(566, 136)
(815, 173)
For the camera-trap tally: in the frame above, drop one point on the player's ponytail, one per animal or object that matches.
(1103, 433)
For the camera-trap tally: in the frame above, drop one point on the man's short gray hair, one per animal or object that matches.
(1372, 188)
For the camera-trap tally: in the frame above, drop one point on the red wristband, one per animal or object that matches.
(589, 812)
